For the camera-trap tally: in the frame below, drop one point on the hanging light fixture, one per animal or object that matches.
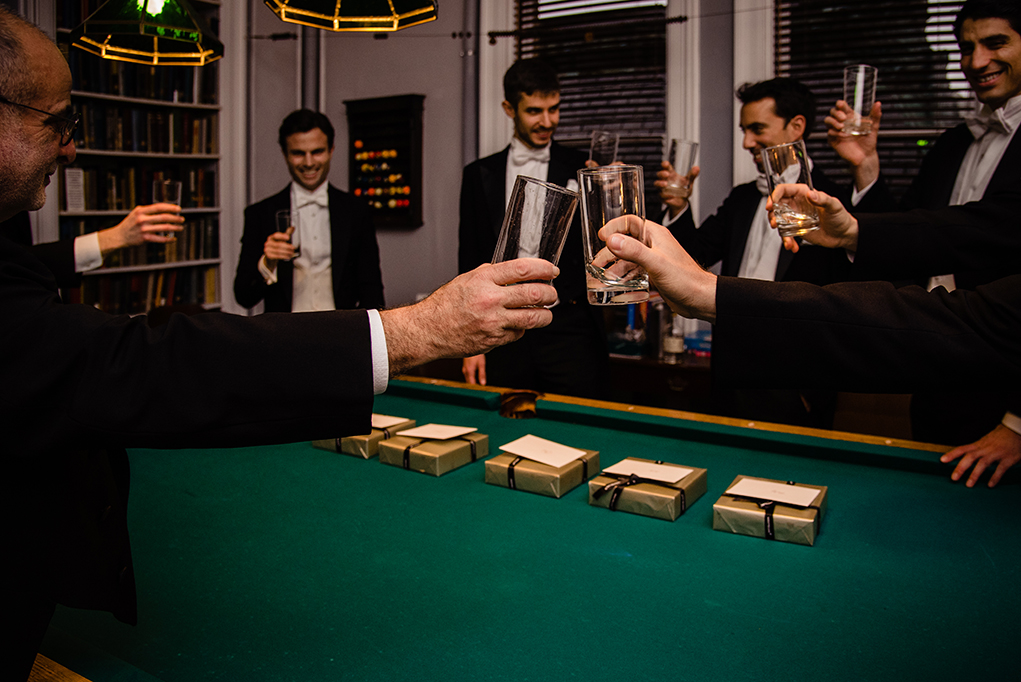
(355, 15)
(158, 32)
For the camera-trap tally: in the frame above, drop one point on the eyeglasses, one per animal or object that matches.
(66, 127)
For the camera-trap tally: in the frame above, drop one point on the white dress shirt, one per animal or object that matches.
(523, 160)
(313, 271)
(87, 255)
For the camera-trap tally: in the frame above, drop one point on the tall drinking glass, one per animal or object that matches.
(682, 157)
(167, 192)
(603, 149)
(788, 164)
(287, 219)
(860, 95)
(612, 197)
(537, 220)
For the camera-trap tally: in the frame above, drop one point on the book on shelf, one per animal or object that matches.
(139, 292)
(199, 240)
(135, 128)
(121, 188)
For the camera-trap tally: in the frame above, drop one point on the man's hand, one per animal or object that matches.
(155, 223)
(838, 229)
(278, 246)
(857, 150)
(689, 290)
(674, 188)
(1001, 446)
(472, 313)
(474, 369)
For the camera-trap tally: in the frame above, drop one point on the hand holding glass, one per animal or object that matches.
(788, 164)
(860, 95)
(285, 221)
(612, 197)
(682, 158)
(537, 220)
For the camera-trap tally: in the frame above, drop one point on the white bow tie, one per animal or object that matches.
(521, 154)
(981, 122)
(312, 201)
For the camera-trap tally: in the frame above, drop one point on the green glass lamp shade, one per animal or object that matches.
(355, 15)
(158, 32)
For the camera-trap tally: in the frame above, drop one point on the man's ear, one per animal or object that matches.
(797, 126)
(508, 109)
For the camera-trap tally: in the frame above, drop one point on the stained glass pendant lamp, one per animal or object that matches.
(355, 15)
(158, 32)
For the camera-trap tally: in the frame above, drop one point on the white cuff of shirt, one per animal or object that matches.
(856, 196)
(380, 359)
(1012, 422)
(269, 275)
(87, 255)
(667, 220)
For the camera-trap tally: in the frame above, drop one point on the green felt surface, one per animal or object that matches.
(291, 563)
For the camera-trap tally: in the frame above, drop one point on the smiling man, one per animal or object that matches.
(978, 159)
(337, 265)
(570, 355)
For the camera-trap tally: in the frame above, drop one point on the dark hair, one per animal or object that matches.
(792, 98)
(989, 9)
(302, 121)
(528, 76)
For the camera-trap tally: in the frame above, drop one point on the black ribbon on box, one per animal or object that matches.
(386, 435)
(767, 506)
(510, 471)
(407, 450)
(616, 487)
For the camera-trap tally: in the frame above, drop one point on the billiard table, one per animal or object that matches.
(294, 563)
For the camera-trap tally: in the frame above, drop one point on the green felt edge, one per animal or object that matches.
(464, 397)
(88, 660)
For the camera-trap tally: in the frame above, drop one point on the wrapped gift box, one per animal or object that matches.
(645, 496)
(434, 457)
(765, 518)
(366, 445)
(519, 473)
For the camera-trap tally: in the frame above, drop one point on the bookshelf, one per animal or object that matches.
(139, 124)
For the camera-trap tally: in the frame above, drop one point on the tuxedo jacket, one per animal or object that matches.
(357, 281)
(483, 204)
(89, 384)
(870, 336)
(723, 236)
(934, 184)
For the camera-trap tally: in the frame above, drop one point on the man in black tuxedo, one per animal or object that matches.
(569, 356)
(85, 385)
(978, 159)
(737, 236)
(337, 265)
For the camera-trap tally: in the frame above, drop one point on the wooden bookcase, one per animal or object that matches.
(141, 123)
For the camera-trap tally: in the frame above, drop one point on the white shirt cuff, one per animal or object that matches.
(87, 255)
(856, 196)
(269, 275)
(1012, 422)
(667, 220)
(380, 359)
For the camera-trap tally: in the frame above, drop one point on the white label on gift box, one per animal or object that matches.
(436, 431)
(385, 421)
(776, 491)
(667, 473)
(542, 451)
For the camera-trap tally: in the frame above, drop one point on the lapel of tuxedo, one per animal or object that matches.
(1007, 171)
(493, 170)
(749, 202)
(560, 171)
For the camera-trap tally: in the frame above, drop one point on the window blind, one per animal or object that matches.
(611, 58)
(920, 83)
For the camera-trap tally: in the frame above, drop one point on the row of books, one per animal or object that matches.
(185, 84)
(200, 239)
(156, 131)
(122, 188)
(139, 292)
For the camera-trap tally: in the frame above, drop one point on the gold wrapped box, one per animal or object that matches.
(433, 457)
(645, 496)
(366, 445)
(519, 473)
(765, 518)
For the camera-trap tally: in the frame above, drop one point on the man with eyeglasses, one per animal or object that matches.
(83, 385)
(67, 258)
